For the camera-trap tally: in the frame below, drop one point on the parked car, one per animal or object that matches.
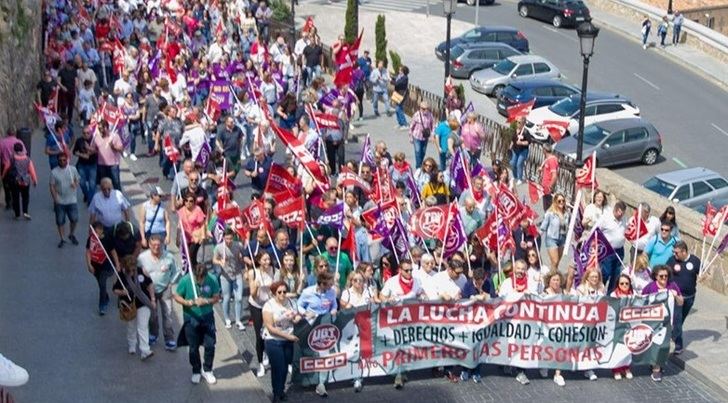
(617, 142)
(717, 203)
(692, 187)
(546, 92)
(491, 81)
(600, 107)
(508, 35)
(464, 59)
(558, 12)
(482, 2)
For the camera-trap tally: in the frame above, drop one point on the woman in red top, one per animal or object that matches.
(548, 170)
(192, 220)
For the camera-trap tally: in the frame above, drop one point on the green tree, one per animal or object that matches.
(396, 61)
(351, 25)
(380, 38)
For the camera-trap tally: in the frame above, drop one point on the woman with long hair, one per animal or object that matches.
(437, 188)
(668, 216)
(623, 290)
(280, 313)
(640, 274)
(260, 278)
(291, 275)
(554, 227)
(554, 285)
(594, 210)
(591, 286)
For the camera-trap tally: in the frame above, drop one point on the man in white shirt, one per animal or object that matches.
(653, 226)
(301, 44)
(425, 274)
(451, 281)
(613, 226)
(122, 86)
(403, 285)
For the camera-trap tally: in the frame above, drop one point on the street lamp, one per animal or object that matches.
(587, 33)
(449, 8)
(293, 21)
(669, 7)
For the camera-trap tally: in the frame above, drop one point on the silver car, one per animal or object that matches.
(491, 81)
(692, 187)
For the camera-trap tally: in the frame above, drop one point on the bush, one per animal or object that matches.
(380, 38)
(460, 90)
(281, 11)
(396, 61)
(351, 25)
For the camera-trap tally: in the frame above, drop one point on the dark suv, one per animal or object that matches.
(510, 36)
(557, 12)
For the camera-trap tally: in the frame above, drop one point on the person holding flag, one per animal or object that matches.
(592, 286)
(198, 293)
(98, 262)
(135, 287)
(613, 226)
(57, 142)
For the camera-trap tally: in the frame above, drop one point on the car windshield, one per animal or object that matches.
(660, 187)
(594, 134)
(504, 67)
(455, 52)
(565, 107)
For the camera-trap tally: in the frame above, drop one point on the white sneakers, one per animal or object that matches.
(321, 390)
(266, 362)
(228, 324)
(261, 371)
(240, 325)
(591, 375)
(133, 157)
(559, 380)
(357, 386)
(12, 374)
(209, 377)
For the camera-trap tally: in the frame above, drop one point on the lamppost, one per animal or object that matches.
(587, 33)
(293, 21)
(449, 8)
(669, 7)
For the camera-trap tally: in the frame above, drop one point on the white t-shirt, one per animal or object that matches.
(263, 280)
(282, 317)
(350, 296)
(427, 282)
(392, 289)
(447, 286)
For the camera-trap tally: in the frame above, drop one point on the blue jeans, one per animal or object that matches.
(87, 172)
(311, 73)
(420, 151)
(102, 276)
(611, 268)
(200, 332)
(150, 137)
(401, 118)
(380, 96)
(443, 160)
(645, 36)
(280, 355)
(681, 312)
(676, 34)
(234, 287)
(109, 171)
(135, 129)
(518, 160)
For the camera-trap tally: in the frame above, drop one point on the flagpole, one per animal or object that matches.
(111, 262)
(704, 268)
(717, 234)
(702, 250)
(634, 244)
(190, 269)
(250, 253)
(300, 251)
(572, 223)
(444, 239)
(467, 250)
(593, 173)
(179, 190)
(274, 249)
(338, 252)
(313, 238)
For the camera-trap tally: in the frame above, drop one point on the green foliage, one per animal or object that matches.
(380, 38)
(281, 10)
(460, 90)
(352, 21)
(396, 61)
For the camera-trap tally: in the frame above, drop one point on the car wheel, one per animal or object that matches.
(650, 156)
(523, 11)
(497, 90)
(471, 2)
(557, 21)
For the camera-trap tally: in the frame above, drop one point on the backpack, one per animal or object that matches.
(20, 172)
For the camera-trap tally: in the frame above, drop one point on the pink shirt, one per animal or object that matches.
(6, 147)
(191, 220)
(472, 135)
(107, 155)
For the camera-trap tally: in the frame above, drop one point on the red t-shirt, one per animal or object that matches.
(548, 173)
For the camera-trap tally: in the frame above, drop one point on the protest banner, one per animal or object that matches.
(560, 332)
(220, 90)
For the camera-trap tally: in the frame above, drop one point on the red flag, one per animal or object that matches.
(212, 108)
(281, 182)
(556, 128)
(535, 192)
(508, 207)
(348, 244)
(388, 210)
(254, 214)
(348, 178)
(299, 150)
(486, 233)
(118, 56)
(587, 175)
(170, 150)
(96, 249)
(171, 72)
(715, 221)
(233, 218)
(710, 212)
(429, 222)
(292, 211)
(326, 120)
(382, 188)
(520, 110)
(635, 229)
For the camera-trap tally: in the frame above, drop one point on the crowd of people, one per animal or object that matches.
(220, 100)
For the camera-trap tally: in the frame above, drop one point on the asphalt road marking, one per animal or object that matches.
(719, 129)
(556, 31)
(677, 161)
(648, 82)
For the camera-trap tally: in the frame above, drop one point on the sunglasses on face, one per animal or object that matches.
(623, 283)
(193, 180)
(406, 270)
(357, 280)
(662, 276)
(190, 201)
(560, 201)
(281, 291)
(665, 229)
(323, 265)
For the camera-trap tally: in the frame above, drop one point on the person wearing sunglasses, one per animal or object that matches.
(669, 216)
(686, 268)
(555, 282)
(279, 316)
(640, 274)
(201, 196)
(355, 295)
(659, 248)
(193, 221)
(591, 286)
(260, 278)
(553, 227)
(623, 290)
(662, 282)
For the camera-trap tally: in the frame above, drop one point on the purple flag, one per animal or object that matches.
(380, 227)
(723, 245)
(329, 98)
(333, 217)
(457, 172)
(315, 148)
(456, 236)
(477, 169)
(397, 240)
(221, 89)
(578, 226)
(203, 156)
(468, 109)
(414, 193)
(367, 153)
(603, 250)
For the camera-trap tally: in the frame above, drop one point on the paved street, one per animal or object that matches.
(688, 110)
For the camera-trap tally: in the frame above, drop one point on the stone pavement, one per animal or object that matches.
(50, 325)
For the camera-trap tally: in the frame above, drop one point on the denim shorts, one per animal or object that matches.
(554, 243)
(66, 210)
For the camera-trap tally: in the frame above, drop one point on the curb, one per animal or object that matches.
(697, 69)
(699, 373)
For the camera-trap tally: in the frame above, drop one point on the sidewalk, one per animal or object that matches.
(690, 57)
(50, 325)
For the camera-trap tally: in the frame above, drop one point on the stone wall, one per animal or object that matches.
(688, 220)
(20, 61)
